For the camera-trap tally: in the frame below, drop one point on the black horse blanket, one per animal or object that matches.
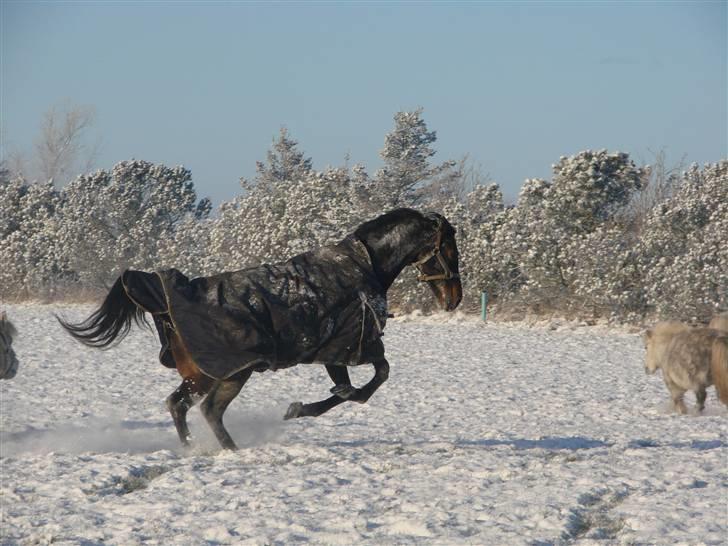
(325, 306)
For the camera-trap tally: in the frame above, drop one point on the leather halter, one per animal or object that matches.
(447, 273)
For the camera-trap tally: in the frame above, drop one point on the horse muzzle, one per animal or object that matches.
(450, 293)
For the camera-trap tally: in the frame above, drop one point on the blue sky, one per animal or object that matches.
(514, 85)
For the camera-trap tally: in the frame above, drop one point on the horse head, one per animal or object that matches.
(651, 361)
(438, 264)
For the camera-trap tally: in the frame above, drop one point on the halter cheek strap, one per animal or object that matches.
(447, 273)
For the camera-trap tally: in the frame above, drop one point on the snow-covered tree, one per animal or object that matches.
(284, 163)
(28, 238)
(111, 220)
(189, 248)
(602, 237)
(286, 217)
(477, 220)
(407, 169)
(536, 245)
(685, 247)
(605, 274)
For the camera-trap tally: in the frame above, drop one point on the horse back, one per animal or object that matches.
(689, 354)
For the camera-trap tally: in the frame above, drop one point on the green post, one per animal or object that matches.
(484, 305)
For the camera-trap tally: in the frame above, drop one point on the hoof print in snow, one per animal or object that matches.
(592, 519)
(137, 479)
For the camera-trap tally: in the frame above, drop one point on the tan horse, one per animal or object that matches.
(8, 360)
(690, 359)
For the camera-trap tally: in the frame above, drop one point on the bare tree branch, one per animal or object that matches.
(61, 149)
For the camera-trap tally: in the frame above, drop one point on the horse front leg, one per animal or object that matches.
(677, 393)
(214, 406)
(340, 376)
(381, 374)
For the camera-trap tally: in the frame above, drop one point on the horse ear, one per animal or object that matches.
(3, 316)
(648, 334)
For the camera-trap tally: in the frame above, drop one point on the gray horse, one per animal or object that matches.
(8, 360)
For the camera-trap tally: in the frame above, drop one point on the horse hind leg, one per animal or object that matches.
(195, 385)
(217, 401)
(191, 391)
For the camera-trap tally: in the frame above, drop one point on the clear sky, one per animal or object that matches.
(514, 85)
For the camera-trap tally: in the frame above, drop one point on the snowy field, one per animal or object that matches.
(484, 434)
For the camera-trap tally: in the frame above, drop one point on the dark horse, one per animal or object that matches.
(327, 306)
(8, 360)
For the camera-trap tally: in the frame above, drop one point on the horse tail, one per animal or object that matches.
(719, 367)
(111, 322)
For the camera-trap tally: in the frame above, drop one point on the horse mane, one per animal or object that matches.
(667, 328)
(396, 215)
(403, 214)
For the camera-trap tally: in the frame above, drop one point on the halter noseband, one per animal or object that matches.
(447, 273)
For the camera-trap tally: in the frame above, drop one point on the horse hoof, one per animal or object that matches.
(343, 391)
(294, 410)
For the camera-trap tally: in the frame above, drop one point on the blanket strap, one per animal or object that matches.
(364, 304)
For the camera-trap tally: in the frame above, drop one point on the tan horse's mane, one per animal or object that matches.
(667, 328)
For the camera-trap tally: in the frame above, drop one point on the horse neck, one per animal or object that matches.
(393, 246)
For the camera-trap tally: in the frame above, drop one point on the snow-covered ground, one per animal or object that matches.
(484, 434)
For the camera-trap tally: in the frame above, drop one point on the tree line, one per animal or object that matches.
(603, 237)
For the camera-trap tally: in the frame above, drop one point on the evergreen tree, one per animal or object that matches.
(407, 169)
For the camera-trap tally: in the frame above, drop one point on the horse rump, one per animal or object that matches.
(133, 294)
